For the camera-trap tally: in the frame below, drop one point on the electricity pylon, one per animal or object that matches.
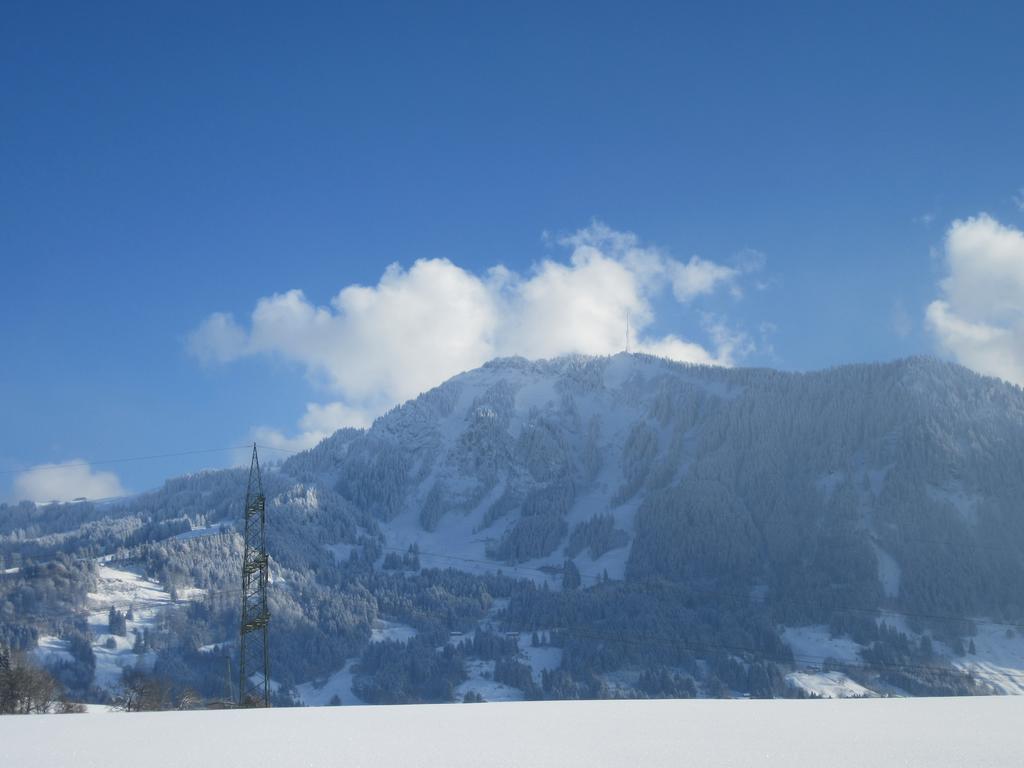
(254, 664)
(229, 694)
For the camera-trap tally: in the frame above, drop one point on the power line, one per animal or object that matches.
(875, 612)
(125, 460)
(282, 450)
(878, 612)
(805, 660)
(713, 592)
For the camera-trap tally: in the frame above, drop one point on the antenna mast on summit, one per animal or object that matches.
(254, 662)
(627, 331)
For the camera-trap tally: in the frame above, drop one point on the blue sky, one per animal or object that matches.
(161, 164)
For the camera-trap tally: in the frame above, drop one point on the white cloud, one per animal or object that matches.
(675, 348)
(651, 267)
(319, 421)
(1018, 199)
(218, 339)
(900, 318)
(698, 277)
(980, 318)
(66, 481)
(375, 346)
(731, 344)
(331, 417)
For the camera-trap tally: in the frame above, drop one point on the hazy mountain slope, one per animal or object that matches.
(814, 484)
(722, 505)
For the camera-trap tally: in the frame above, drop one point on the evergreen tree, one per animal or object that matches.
(571, 578)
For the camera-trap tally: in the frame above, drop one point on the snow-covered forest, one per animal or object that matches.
(575, 528)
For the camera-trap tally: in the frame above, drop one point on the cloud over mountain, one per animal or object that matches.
(422, 324)
(980, 318)
(66, 481)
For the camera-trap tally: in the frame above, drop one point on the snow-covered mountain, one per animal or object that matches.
(839, 532)
(876, 481)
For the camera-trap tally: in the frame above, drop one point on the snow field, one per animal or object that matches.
(933, 733)
(390, 630)
(812, 644)
(828, 685)
(320, 692)
(51, 650)
(542, 658)
(481, 680)
(122, 589)
(999, 660)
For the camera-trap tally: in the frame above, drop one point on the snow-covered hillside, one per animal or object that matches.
(669, 529)
(513, 441)
(925, 733)
(142, 601)
(526, 464)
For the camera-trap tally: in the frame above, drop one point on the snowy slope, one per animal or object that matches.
(828, 685)
(998, 660)
(930, 733)
(320, 693)
(457, 470)
(780, 479)
(125, 590)
(870, 487)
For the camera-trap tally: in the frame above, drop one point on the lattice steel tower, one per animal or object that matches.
(254, 664)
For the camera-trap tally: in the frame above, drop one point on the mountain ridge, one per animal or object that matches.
(561, 394)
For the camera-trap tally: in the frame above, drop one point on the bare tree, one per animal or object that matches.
(65, 707)
(25, 689)
(140, 692)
